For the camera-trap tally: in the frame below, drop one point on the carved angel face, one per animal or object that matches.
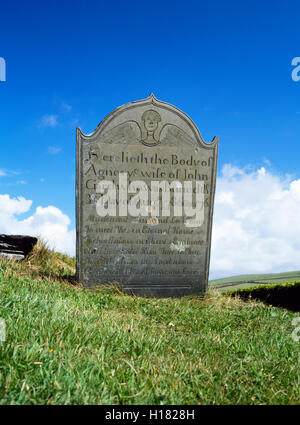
(151, 119)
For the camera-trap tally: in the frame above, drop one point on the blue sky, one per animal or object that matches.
(70, 63)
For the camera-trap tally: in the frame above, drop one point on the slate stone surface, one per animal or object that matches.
(149, 255)
(16, 246)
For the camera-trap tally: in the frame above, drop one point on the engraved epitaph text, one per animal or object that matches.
(148, 254)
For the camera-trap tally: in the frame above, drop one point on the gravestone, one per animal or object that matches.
(145, 187)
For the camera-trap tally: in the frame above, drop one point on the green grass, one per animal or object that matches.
(69, 345)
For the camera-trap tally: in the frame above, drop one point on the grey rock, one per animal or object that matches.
(16, 247)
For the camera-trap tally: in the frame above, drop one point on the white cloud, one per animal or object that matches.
(66, 107)
(53, 150)
(256, 224)
(48, 222)
(8, 173)
(10, 206)
(48, 121)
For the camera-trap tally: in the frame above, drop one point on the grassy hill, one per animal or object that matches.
(245, 281)
(69, 345)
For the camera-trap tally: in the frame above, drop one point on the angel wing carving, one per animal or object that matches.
(172, 135)
(128, 132)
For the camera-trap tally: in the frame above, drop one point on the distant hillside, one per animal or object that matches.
(245, 281)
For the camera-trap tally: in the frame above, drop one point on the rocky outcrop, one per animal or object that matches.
(16, 246)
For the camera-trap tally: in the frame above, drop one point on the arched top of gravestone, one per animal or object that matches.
(149, 122)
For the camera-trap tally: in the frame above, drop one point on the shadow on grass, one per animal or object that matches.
(69, 278)
(284, 296)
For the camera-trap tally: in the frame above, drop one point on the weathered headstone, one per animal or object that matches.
(128, 230)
